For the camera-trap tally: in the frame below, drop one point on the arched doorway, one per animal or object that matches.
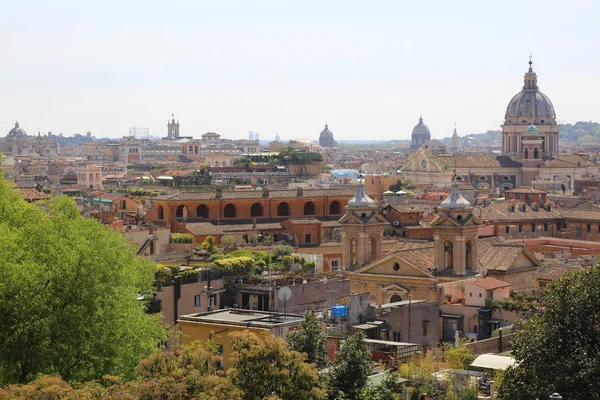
(283, 210)
(202, 211)
(335, 208)
(449, 253)
(181, 212)
(161, 212)
(469, 262)
(353, 251)
(229, 211)
(256, 210)
(395, 298)
(309, 208)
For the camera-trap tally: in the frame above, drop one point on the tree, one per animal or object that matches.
(350, 369)
(282, 250)
(390, 388)
(310, 338)
(209, 245)
(264, 367)
(458, 358)
(69, 295)
(558, 349)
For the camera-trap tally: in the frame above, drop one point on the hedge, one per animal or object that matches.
(234, 265)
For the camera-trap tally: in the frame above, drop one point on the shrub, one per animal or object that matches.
(181, 238)
(234, 265)
(282, 250)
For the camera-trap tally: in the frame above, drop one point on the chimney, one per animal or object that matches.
(219, 193)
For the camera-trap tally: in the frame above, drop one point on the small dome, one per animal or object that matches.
(532, 130)
(326, 138)
(455, 200)
(421, 129)
(17, 131)
(361, 199)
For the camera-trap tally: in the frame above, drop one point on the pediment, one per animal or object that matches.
(394, 264)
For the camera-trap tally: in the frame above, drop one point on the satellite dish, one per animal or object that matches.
(284, 293)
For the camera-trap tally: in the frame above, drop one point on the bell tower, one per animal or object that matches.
(362, 230)
(455, 235)
(172, 129)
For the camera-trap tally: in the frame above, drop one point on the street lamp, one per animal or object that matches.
(208, 291)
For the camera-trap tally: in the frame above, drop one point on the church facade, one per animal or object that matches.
(530, 152)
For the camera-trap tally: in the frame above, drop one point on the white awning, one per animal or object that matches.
(165, 177)
(493, 361)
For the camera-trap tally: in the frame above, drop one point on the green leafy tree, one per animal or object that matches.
(282, 250)
(310, 338)
(350, 369)
(264, 368)
(209, 245)
(68, 295)
(458, 358)
(390, 388)
(558, 350)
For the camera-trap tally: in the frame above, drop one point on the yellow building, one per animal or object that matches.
(217, 325)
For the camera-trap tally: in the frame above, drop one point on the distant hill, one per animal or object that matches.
(579, 133)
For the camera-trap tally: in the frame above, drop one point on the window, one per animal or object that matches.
(578, 232)
(256, 210)
(335, 264)
(425, 328)
(480, 295)
(396, 336)
(546, 227)
(520, 228)
(197, 300)
(589, 228)
(470, 294)
(283, 210)
(396, 267)
(533, 228)
(309, 208)
(507, 229)
(308, 238)
(229, 211)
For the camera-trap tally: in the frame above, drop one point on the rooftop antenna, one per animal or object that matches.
(284, 294)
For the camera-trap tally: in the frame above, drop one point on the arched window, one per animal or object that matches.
(217, 163)
(526, 153)
(374, 254)
(469, 254)
(161, 212)
(181, 212)
(395, 298)
(202, 211)
(335, 208)
(229, 211)
(256, 210)
(448, 251)
(283, 210)
(536, 153)
(309, 208)
(353, 251)
(224, 163)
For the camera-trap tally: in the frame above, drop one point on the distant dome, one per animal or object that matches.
(17, 131)
(529, 104)
(326, 138)
(455, 200)
(420, 134)
(421, 129)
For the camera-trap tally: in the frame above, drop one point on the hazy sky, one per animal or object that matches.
(368, 68)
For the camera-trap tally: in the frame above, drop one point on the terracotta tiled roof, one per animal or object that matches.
(203, 229)
(591, 215)
(330, 224)
(31, 194)
(305, 221)
(501, 257)
(251, 227)
(482, 161)
(423, 257)
(525, 189)
(502, 211)
(488, 283)
(258, 194)
(567, 161)
(410, 244)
